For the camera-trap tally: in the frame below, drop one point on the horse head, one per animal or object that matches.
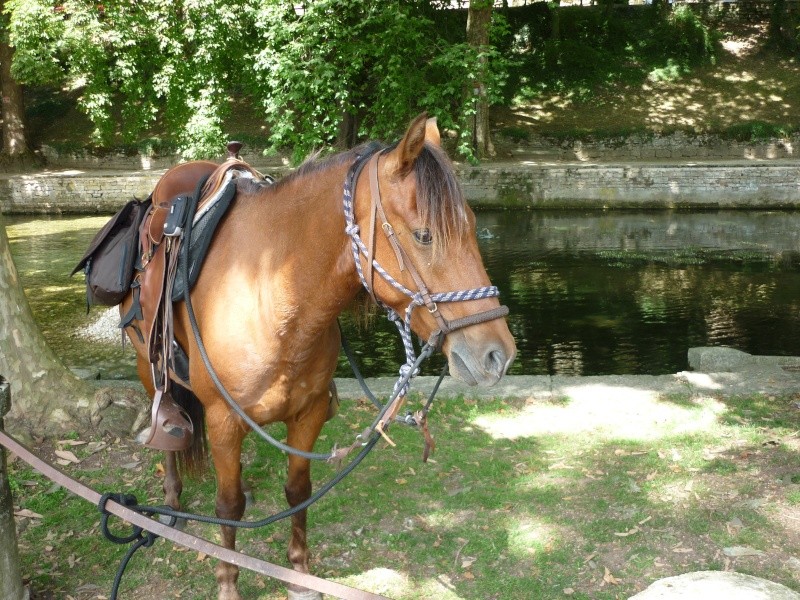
(422, 233)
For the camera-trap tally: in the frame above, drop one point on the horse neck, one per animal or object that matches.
(305, 221)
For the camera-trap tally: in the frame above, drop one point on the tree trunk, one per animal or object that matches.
(479, 19)
(555, 21)
(11, 587)
(13, 112)
(48, 398)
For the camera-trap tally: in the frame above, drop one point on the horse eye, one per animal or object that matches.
(423, 236)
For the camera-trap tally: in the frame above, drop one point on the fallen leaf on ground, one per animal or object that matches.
(609, 578)
(560, 465)
(24, 512)
(68, 456)
(736, 551)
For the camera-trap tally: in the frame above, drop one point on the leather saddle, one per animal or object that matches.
(149, 312)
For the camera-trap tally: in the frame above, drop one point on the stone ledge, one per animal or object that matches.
(739, 184)
(704, 585)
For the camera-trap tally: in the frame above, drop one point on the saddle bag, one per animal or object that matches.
(111, 257)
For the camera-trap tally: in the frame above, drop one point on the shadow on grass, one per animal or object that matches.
(602, 503)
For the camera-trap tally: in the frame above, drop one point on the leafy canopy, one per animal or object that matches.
(309, 66)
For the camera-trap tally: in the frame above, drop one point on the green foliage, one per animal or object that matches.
(334, 64)
(312, 69)
(751, 131)
(37, 31)
(683, 39)
(367, 65)
(135, 63)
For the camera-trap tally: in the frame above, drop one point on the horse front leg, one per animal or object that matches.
(225, 437)
(301, 434)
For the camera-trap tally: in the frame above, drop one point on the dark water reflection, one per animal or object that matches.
(589, 293)
(619, 292)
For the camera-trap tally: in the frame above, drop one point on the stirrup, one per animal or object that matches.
(170, 428)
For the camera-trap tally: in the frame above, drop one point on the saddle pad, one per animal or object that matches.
(204, 225)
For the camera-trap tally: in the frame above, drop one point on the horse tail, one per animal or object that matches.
(194, 460)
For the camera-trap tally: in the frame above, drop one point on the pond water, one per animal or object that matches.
(590, 293)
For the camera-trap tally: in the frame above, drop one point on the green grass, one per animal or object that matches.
(493, 515)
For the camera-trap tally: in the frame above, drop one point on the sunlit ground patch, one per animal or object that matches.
(395, 584)
(611, 411)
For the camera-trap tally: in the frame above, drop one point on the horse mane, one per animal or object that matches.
(440, 201)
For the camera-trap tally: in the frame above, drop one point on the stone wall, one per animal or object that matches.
(760, 185)
(773, 184)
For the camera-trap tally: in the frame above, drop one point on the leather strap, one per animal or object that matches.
(403, 259)
(373, 183)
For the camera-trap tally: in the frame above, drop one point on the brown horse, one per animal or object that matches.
(282, 269)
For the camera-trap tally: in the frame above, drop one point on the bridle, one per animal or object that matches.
(422, 296)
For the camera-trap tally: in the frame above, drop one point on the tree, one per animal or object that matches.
(47, 397)
(479, 20)
(11, 587)
(13, 106)
(327, 74)
(322, 72)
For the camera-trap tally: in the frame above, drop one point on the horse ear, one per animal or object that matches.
(432, 132)
(411, 145)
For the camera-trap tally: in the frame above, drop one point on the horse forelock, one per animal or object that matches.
(440, 201)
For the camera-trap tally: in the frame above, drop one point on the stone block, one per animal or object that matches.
(702, 585)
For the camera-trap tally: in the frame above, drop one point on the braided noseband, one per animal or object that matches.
(417, 298)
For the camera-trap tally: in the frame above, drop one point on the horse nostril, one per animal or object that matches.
(495, 362)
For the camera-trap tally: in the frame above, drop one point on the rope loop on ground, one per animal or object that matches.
(142, 538)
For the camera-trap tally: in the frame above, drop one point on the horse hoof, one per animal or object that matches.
(304, 595)
(228, 592)
(180, 524)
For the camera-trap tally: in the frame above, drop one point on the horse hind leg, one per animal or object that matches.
(192, 460)
(173, 487)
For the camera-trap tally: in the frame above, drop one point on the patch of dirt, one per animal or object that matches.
(746, 84)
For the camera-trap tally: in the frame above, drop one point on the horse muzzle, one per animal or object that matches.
(478, 364)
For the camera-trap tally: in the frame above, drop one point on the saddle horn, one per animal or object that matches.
(233, 150)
